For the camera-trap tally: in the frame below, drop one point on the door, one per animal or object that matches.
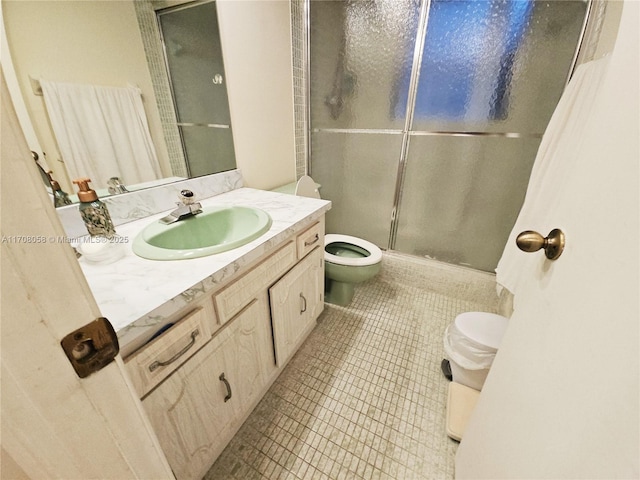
(201, 405)
(193, 55)
(426, 116)
(296, 302)
(54, 424)
(193, 411)
(562, 400)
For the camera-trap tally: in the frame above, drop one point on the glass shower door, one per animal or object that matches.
(426, 116)
(358, 52)
(491, 75)
(194, 61)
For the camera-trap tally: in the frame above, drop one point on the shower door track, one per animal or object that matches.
(381, 131)
(425, 133)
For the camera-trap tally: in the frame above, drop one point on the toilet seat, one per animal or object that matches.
(486, 329)
(375, 254)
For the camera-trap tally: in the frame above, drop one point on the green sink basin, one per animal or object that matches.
(215, 230)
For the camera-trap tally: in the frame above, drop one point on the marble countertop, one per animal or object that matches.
(139, 296)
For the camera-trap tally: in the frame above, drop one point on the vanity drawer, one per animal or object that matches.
(310, 238)
(154, 362)
(236, 296)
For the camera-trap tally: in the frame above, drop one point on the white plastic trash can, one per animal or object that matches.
(471, 343)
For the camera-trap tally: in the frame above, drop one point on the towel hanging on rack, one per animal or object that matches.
(102, 132)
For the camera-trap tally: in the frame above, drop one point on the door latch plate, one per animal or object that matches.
(91, 347)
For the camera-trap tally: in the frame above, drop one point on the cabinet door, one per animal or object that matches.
(249, 356)
(197, 410)
(296, 301)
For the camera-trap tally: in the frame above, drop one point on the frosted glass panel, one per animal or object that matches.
(495, 65)
(461, 197)
(359, 51)
(488, 66)
(208, 150)
(199, 86)
(357, 173)
(194, 56)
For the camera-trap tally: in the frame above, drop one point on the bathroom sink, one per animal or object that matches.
(215, 230)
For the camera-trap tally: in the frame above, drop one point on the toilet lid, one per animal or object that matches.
(483, 328)
(375, 254)
(306, 187)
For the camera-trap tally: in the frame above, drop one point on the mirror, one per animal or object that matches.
(118, 44)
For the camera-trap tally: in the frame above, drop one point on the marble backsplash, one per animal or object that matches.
(131, 206)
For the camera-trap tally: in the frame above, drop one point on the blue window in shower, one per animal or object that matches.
(468, 60)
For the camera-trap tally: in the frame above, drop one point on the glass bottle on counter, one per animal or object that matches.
(93, 211)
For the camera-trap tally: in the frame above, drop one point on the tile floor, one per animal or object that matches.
(364, 397)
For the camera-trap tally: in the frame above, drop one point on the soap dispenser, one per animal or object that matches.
(94, 213)
(60, 197)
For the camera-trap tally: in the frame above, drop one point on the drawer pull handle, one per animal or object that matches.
(158, 363)
(226, 384)
(315, 239)
(303, 304)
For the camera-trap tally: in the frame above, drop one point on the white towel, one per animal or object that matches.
(555, 162)
(102, 132)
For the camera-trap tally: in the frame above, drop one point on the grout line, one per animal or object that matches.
(364, 396)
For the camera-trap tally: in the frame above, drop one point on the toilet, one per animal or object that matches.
(471, 343)
(348, 260)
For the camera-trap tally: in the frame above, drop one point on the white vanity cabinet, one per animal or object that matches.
(205, 384)
(197, 410)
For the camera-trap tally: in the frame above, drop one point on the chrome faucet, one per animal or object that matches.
(116, 186)
(187, 207)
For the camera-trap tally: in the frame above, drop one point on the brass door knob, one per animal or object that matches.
(553, 244)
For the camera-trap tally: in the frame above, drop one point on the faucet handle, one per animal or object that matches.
(187, 197)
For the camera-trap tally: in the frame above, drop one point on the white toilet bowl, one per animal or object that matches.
(347, 260)
(471, 343)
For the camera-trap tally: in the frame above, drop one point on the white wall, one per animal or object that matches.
(562, 399)
(256, 43)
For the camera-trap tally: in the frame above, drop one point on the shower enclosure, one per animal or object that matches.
(426, 116)
(193, 56)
